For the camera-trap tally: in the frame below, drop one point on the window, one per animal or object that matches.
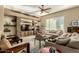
(56, 23)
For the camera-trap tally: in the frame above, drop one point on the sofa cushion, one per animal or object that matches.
(73, 44)
(63, 49)
(62, 41)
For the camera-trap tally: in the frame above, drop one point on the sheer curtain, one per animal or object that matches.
(56, 23)
(60, 22)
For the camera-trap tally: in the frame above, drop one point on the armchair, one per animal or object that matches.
(17, 48)
(5, 46)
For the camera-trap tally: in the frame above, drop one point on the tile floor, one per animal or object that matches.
(34, 47)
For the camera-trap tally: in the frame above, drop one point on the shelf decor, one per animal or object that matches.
(8, 24)
(13, 20)
(6, 30)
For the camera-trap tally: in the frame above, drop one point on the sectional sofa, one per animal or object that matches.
(66, 43)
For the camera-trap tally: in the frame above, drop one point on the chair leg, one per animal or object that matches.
(39, 43)
(21, 40)
(17, 42)
(34, 42)
(28, 48)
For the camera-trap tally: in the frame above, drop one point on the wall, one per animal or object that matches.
(70, 14)
(1, 19)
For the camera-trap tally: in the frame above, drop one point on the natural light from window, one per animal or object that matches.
(55, 23)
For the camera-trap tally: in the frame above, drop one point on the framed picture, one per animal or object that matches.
(75, 23)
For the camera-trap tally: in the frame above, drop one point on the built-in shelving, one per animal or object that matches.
(9, 25)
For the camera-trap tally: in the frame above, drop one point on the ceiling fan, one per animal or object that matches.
(43, 9)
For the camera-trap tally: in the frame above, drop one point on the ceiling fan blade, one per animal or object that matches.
(42, 9)
(47, 9)
(39, 7)
(35, 11)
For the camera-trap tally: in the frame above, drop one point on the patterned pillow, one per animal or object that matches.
(52, 40)
(64, 35)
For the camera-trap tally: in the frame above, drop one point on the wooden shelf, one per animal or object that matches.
(73, 29)
(9, 25)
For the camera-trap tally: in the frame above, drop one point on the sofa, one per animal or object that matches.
(66, 43)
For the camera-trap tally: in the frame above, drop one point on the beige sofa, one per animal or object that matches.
(63, 49)
(68, 45)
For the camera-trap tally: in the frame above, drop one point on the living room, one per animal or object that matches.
(38, 28)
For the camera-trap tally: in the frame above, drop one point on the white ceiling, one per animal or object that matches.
(35, 11)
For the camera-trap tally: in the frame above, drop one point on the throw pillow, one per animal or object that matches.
(52, 40)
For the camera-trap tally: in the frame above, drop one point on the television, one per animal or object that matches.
(24, 27)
